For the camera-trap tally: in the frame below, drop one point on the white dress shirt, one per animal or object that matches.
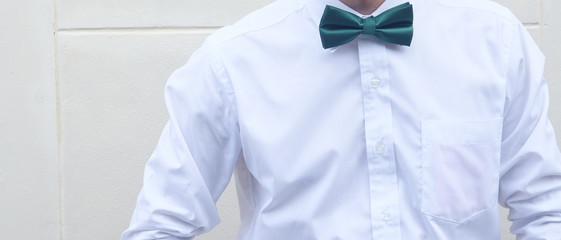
(368, 140)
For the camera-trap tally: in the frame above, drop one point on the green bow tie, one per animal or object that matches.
(338, 27)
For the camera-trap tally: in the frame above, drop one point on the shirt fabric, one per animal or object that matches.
(368, 140)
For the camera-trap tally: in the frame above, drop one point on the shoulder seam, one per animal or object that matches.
(505, 13)
(216, 43)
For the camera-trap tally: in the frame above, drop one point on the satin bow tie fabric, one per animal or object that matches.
(338, 27)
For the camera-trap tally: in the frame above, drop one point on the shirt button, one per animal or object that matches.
(375, 83)
(385, 215)
(380, 148)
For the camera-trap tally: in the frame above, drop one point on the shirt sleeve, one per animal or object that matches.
(530, 178)
(195, 156)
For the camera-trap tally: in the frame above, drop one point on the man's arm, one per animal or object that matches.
(530, 180)
(195, 156)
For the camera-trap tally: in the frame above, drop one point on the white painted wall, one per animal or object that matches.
(29, 197)
(82, 104)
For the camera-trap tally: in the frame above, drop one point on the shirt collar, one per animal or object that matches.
(317, 7)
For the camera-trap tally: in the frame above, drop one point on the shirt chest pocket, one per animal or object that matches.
(460, 167)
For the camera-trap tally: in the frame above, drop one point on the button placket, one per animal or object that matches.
(379, 140)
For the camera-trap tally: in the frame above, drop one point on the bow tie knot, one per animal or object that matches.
(338, 27)
(369, 25)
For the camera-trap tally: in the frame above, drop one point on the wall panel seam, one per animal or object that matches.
(58, 123)
(137, 30)
(542, 23)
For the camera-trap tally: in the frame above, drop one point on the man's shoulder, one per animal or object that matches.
(262, 18)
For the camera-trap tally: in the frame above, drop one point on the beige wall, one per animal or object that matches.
(82, 104)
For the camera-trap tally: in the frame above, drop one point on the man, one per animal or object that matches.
(391, 131)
